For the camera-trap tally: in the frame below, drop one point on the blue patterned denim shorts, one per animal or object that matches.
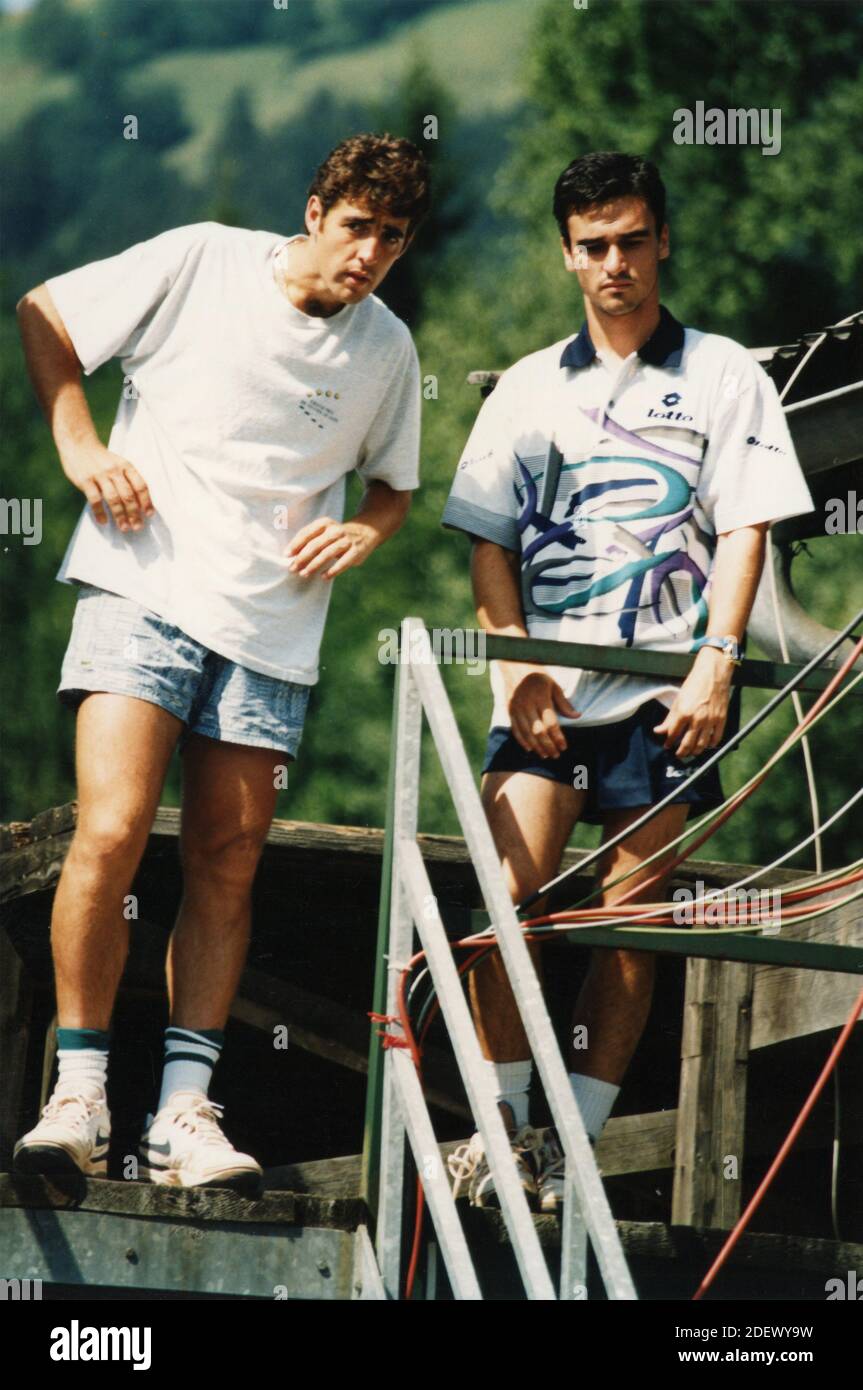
(118, 646)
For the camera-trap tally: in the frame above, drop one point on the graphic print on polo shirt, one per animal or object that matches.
(615, 546)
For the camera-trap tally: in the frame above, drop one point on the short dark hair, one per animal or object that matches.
(383, 171)
(606, 174)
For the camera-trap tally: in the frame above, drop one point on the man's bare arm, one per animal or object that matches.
(106, 479)
(334, 546)
(533, 698)
(697, 717)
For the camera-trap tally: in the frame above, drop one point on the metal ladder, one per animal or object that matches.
(410, 906)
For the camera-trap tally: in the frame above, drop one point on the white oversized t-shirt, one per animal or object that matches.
(611, 480)
(244, 416)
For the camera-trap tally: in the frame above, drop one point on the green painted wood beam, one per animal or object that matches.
(685, 941)
(588, 656)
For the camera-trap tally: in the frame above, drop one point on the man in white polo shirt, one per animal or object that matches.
(259, 371)
(618, 487)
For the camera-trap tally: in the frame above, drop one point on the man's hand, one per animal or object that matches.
(334, 546)
(107, 480)
(534, 700)
(331, 546)
(700, 709)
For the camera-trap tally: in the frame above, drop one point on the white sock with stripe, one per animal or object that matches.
(189, 1060)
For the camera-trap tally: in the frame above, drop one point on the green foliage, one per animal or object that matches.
(145, 28)
(54, 34)
(418, 96)
(239, 187)
(57, 217)
(762, 247)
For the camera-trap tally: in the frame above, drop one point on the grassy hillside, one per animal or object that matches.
(464, 42)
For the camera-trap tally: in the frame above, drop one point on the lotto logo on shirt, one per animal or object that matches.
(317, 407)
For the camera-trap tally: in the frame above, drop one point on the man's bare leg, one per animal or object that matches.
(229, 797)
(122, 750)
(531, 820)
(614, 1001)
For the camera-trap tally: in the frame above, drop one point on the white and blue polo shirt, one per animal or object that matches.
(611, 478)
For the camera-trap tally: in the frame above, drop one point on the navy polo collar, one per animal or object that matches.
(664, 347)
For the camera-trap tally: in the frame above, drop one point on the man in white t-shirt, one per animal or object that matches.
(259, 371)
(618, 487)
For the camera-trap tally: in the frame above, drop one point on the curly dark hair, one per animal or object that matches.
(603, 175)
(382, 171)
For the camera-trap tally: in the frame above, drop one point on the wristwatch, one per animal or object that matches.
(727, 645)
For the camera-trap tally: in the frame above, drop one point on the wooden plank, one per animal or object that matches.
(729, 1105)
(691, 1175)
(628, 1144)
(712, 1101)
(32, 864)
(655, 1240)
(33, 868)
(179, 1203)
(757, 1250)
(16, 999)
(32, 853)
(51, 822)
(791, 1003)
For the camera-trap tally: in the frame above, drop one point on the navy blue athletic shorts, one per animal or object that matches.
(623, 764)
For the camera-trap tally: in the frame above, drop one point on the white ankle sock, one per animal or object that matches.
(595, 1099)
(82, 1070)
(512, 1084)
(82, 1059)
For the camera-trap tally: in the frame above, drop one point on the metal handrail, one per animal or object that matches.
(408, 905)
(641, 661)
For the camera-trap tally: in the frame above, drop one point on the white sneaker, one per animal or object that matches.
(552, 1170)
(468, 1166)
(183, 1146)
(71, 1137)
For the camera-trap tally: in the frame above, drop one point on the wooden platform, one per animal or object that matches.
(728, 1055)
(135, 1237)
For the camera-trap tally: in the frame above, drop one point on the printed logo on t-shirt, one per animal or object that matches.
(761, 444)
(670, 400)
(317, 407)
(479, 458)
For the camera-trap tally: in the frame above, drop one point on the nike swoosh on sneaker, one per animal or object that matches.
(157, 1148)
